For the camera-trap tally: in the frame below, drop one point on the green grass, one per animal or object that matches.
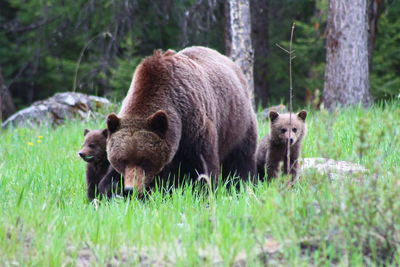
(45, 219)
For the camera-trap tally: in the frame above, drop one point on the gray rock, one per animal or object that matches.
(56, 109)
(279, 108)
(334, 168)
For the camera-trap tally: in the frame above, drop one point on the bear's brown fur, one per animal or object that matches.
(273, 148)
(101, 178)
(186, 113)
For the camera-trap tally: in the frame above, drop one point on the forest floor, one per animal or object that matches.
(46, 220)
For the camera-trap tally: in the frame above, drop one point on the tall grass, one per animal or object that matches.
(45, 219)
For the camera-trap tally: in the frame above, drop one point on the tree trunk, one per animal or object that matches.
(347, 71)
(238, 38)
(259, 25)
(6, 103)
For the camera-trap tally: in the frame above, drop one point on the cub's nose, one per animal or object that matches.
(82, 155)
(291, 141)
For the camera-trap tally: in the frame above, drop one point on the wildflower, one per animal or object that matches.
(29, 144)
(39, 141)
(40, 136)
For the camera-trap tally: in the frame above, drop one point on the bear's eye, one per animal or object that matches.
(294, 130)
(92, 146)
(283, 130)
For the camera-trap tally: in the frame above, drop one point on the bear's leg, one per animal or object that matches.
(92, 181)
(261, 171)
(272, 166)
(261, 157)
(294, 158)
(293, 170)
(242, 159)
(91, 190)
(209, 156)
(110, 184)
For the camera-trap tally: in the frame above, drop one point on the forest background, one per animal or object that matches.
(94, 46)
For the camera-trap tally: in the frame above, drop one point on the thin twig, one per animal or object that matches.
(103, 34)
(290, 52)
(289, 167)
(278, 45)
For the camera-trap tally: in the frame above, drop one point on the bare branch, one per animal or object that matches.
(14, 28)
(291, 51)
(278, 45)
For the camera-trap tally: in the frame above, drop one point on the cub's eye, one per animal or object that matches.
(294, 130)
(92, 145)
(283, 130)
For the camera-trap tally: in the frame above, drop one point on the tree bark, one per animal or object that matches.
(7, 107)
(347, 70)
(238, 38)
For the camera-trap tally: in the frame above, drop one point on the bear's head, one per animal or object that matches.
(288, 128)
(94, 146)
(137, 148)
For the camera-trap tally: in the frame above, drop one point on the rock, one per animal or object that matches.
(335, 168)
(279, 108)
(56, 109)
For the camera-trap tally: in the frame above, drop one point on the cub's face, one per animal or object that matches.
(288, 130)
(94, 146)
(137, 148)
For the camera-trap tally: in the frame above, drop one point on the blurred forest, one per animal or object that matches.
(93, 46)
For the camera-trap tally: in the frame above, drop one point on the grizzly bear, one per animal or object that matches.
(273, 149)
(101, 178)
(186, 113)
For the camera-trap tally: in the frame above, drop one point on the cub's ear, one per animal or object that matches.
(273, 115)
(158, 123)
(113, 123)
(105, 133)
(302, 115)
(85, 132)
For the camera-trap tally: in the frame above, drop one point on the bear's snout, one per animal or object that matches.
(128, 190)
(85, 157)
(134, 177)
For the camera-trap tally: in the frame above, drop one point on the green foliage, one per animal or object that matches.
(309, 51)
(308, 66)
(385, 76)
(353, 220)
(100, 38)
(121, 76)
(41, 43)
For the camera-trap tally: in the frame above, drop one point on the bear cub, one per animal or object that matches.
(273, 148)
(101, 178)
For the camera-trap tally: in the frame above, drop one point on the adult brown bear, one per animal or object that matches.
(185, 114)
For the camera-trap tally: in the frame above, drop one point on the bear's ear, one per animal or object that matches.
(273, 115)
(105, 133)
(302, 115)
(85, 132)
(158, 123)
(113, 123)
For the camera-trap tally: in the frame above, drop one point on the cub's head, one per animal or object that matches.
(137, 148)
(285, 129)
(94, 146)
